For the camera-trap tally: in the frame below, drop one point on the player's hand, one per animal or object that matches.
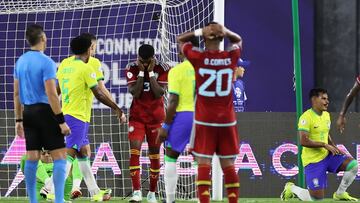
(340, 123)
(162, 135)
(140, 65)
(332, 149)
(19, 129)
(151, 65)
(121, 116)
(213, 31)
(65, 130)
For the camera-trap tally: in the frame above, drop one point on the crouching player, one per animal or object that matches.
(45, 170)
(176, 129)
(320, 154)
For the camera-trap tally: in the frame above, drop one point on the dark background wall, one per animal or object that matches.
(337, 48)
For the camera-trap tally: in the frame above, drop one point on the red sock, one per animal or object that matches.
(154, 171)
(203, 183)
(231, 184)
(135, 168)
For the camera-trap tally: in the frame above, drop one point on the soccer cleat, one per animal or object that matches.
(76, 193)
(286, 193)
(136, 197)
(344, 197)
(50, 197)
(151, 197)
(103, 195)
(44, 192)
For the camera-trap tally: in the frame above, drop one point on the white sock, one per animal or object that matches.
(50, 185)
(89, 178)
(347, 179)
(170, 177)
(302, 193)
(76, 184)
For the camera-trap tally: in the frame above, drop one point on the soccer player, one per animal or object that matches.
(96, 65)
(176, 129)
(45, 170)
(78, 82)
(38, 112)
(147, 80)
(340, 123)
(239, 96)
(215, 121)
(320, 154)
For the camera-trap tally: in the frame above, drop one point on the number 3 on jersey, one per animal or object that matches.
(146, 86)
(217, 77)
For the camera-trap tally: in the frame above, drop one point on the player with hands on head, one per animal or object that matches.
(215, 120)
(147, 80)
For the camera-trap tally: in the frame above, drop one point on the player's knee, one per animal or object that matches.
(352, 166)
(172, 154)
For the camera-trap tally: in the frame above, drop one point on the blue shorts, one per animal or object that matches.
(180, 131)
(315, 173)
(79, 133)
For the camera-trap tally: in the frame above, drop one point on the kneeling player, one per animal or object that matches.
(320, 154)
(176, 129)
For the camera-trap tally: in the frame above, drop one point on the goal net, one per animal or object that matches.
(121, 26)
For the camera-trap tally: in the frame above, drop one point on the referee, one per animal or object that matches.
(38, 112)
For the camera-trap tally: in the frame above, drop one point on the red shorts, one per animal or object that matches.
(138, 130)
(207, 140)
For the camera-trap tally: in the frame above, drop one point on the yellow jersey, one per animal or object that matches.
(181, 81)
(76, 79)
(318, 127)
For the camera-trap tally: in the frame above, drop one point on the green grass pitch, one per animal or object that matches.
(120, 200)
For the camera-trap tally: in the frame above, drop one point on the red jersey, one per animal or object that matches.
(358, 79)
(147, 109)
(214, 72)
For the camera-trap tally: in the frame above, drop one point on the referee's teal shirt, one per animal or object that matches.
(32, 69)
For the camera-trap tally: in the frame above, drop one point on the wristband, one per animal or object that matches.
(198, 32)
(19, 120)
(141, 74)
(60, 118)
(151, 74)
(165, 126)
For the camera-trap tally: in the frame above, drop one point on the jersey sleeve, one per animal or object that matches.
(190, 52)
(235, 52)
(304, 123)
(163, 74)
(98, 70)
(358, 79)
(173, 82)
(131, 74)
(89, 76)
(49, 70)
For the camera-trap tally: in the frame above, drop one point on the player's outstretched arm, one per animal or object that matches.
(157, 90)
(170, 113)
(53, 97)
(99, 95)
(340, 123)
(18, 110)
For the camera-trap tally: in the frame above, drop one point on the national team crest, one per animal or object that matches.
(316, 182)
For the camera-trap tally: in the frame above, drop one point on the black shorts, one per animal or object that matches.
(41, 128)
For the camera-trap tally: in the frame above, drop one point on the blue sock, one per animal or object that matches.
(30, 179)
(59, 172)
